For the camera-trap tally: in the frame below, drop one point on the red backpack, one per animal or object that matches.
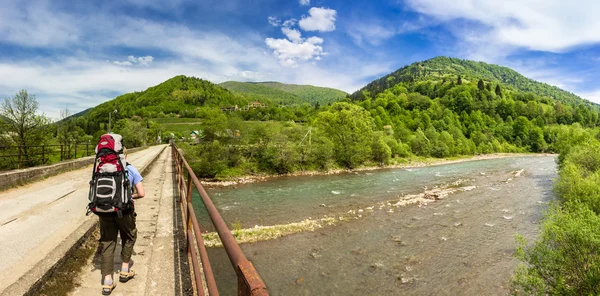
(109, 188)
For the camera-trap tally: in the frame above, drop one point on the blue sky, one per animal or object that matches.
(77, 54)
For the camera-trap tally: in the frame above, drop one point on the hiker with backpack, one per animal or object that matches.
(111, 198)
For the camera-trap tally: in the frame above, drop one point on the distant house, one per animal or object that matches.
(195, 136)
(254, 105)
(230, 109)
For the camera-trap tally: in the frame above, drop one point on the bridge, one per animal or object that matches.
(47, 241)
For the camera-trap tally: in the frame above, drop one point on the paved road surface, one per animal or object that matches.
(36, 218)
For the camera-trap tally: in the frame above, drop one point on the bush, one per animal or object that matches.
(564, 260)
(381, 151)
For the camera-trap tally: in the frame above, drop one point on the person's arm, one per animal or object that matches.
(139, 188)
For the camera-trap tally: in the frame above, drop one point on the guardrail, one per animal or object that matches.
(41, 154)
(249, 281)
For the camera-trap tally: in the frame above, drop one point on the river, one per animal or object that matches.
(461, 245)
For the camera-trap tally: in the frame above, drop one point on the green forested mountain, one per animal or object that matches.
(175, 95)
(262, 93)
(445, 69)
(276, 91)
(179, 95)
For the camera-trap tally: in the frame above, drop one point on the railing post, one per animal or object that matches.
(189, 189)
(86, 148)
(19, 162)
(61, 152)
(43, 152)
(188, 201)
(75, 150)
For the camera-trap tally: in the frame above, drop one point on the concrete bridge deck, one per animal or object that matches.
(41, 221)
(159, 256)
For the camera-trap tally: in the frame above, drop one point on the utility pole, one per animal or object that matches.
(109, 120)
(309, 134)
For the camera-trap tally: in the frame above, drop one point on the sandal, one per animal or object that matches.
(107, 289)
(126, 276)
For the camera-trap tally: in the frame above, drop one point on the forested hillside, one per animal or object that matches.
(283, 92)
(258, 92)
(422, 110)
(179, 95)
(442, 69)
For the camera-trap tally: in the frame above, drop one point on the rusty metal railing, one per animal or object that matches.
(249, 281)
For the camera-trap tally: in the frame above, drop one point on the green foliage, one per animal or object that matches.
(350, 129)
(134, 132)
(288, 94)
(179, 95)
(236, 225)
(441, 107)
(564, 260)
(443, 67)
(380, 150)
(20, 125)
(259, 92)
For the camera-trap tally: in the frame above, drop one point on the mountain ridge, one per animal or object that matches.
(285, 92)
(442, 67)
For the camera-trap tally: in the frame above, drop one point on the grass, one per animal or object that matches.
(185, 126)
(63, 280)
(174, 120)
(262, 233)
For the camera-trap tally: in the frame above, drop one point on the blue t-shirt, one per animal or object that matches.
(134, 175)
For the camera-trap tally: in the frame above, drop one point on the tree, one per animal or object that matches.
(381, 151)
(420, 144)
(67, 130)
(23, 126)
(498, 90)
(213, 122)
(488, 87)
(350, 128)
(480, 85)
(459, 81)
(135, 133)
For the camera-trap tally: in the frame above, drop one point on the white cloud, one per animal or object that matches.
(292, 34)
(320, 19)
(550, 25)
(304, 2)
(315, 40)
(36, 25)
(289, 23)
(275, 22)
(131, 60)
(290, 53)
(295, 49)
(371, 33)
(145, 61)
(124, 63)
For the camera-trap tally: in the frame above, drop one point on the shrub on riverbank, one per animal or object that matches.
(565, 259)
